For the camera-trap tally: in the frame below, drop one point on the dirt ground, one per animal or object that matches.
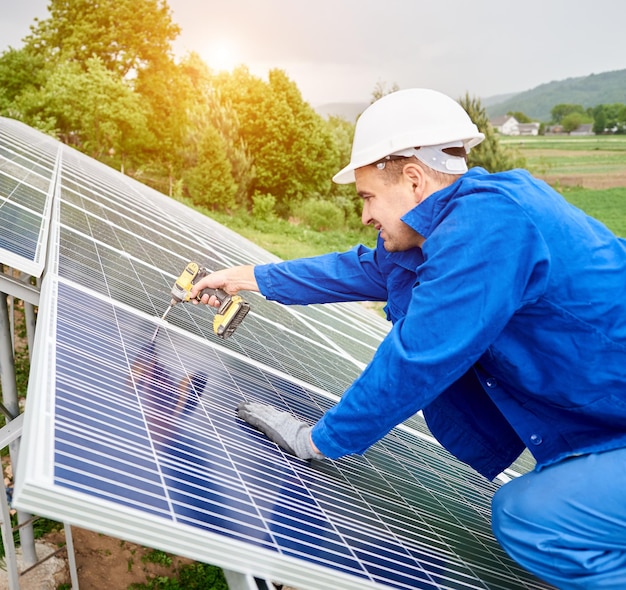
(103, 561)
(590, 181)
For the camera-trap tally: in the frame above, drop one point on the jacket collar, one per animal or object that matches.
(423, 217)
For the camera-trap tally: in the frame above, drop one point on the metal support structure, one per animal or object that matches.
(237, 581)
(10, 402)
(20, 289)
(71, 556)
(30, 319)
(9, 435)
(30, 316)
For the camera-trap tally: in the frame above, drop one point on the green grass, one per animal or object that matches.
(194, 576)
(601, 155)
(608, 205)
(288, 241)
(594, 163)
(567, 142)
(158, 557)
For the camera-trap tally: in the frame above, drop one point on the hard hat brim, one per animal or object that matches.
(345, 176)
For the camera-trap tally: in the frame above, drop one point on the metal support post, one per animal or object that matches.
(10, 402)
(71, 556)
(30, 319)
(8, 434)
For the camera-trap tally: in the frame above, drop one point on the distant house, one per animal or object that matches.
(528, 128)
(585, 129)
(555, 130)
(506, 125)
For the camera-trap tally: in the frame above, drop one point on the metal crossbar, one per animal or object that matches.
(9, 433)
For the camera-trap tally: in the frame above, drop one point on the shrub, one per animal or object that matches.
(320, 215)
(263, 206)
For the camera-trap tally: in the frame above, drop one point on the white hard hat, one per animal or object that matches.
(413, 118)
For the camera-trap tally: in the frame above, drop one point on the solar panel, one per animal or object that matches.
(27, 164)
(138, 438)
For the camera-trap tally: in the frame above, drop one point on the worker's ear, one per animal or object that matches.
(415, 175)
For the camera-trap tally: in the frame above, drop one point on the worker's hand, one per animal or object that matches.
(284, 429)
(232, 280)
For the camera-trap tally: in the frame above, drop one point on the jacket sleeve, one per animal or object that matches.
(348, 276)
(483, 261)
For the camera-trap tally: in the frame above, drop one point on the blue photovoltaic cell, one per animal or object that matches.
(26, 171)
(139, 436)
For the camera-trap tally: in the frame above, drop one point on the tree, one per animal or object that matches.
(208, 180)
(211, 109)
(618, 119)
(380, 90)
(560, 111)
(294, 151)
(344, 195)
(520, 117)
(573, 121)
(20, 70)
(127, 35)
(92, 109)
(167, 95)
(599, 120)
(489, 154)
(609, 117)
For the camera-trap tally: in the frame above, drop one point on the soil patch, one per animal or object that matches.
(107, 562)
(586, 180)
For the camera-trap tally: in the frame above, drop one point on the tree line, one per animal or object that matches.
(604, 118)
(103, 79)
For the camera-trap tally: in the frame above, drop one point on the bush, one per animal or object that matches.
(320, 215)
(263, 207)
(352, 207)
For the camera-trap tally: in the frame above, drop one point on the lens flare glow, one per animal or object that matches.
(221, 55)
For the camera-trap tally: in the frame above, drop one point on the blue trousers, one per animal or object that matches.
(567, 522)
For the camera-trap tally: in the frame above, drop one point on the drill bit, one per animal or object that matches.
(162, 318)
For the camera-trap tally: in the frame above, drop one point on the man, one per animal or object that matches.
(509, 331)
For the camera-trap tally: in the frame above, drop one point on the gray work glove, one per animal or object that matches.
(284, 429)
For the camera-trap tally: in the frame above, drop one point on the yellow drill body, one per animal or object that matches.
(232, 309)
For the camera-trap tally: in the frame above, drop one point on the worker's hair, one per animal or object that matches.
(392, 167)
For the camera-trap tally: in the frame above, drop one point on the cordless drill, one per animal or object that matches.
(232, 309)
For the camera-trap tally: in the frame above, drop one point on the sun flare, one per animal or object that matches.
(221, 55)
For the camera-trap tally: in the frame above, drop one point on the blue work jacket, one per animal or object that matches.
(509, 326)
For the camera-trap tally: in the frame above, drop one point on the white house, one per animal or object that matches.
(584, 129)
(506, 125)
(509, 125)
(528, 128)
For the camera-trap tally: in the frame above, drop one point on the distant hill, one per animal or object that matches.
(346, 110)
(495, 100)
(588, 91)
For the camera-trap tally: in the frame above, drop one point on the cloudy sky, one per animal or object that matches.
(339, 50)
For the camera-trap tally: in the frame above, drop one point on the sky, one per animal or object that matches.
(340, 50)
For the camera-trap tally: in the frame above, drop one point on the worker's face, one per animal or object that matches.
(384, 203)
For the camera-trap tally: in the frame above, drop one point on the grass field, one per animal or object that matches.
(590, 171)
(608, 205)
(595, 162)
